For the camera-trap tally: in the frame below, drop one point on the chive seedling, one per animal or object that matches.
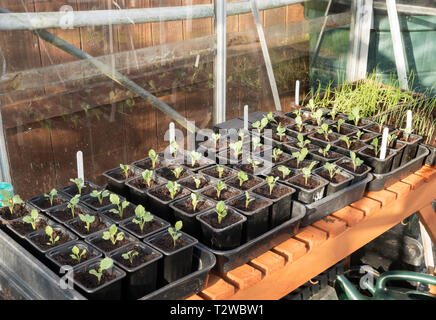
(100, 195)
(242, 176)
(52, 236)
(307, 172)
(195, 156)
(325, 151)
(271, 181)
(153, 157)
(174, 231)
(76, 254)
(147, 175)
(221, 211)
(301, 141)
(331, 168)
(51, 195)
(87, 219)
(357, 162)
(325, 130)
(79, 184)
(281, 131)
(285, 171)
(276, 154)
(300, 155)
(219, 188)
(115, 200)
(220, 171)
(105, 264)
(195, 199)
(113, 235)
(142, 216)
(381, 122)
(125, 169)
(339, 124)
(177, 172)
(130, 255)
(355, 116)
(33, 218)
(173, 188)
(73, 203)
(248, 199)
(11, 201)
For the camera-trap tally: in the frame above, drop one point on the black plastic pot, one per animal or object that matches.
(367, 136)
(175, 264)
(226, 194)
(333, 187)
(346, 130)
(361, 172)
(161, 208)
(146, 163)
(138, 189)
(257, 219)
(166, 173)
(398, 147)
(226, 157)
(308, 195)
(276, 173)
(140, 280)
(378, 166)
(339, 146)
(6, 216)
(43, 204)
(225, 238)
(66, 250)
(430, 160)
(111, 290)
(292, 164)
(107, 222)
(79, 208)
(293, 130)
(93, 203)
(250, 184)
(318, 139)
(71, 190)
(332, 156)
(264, 167)
(117, 185)
(227, 174)
(189, 182)
(128, 213)
(95, 238)
(411, 148)
(157, 225)
(190, 224)
(363, 123)
(281, 208)
(200, 164)
(209, 149)
(374, 128)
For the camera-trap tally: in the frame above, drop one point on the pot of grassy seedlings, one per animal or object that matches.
(220, 192)
(341, 128)
(154, 161)
(355, 119)
(140, 262)
(398, 147)
(213, 145)
(177, 248)
(88, 224)
(79, 187)
(219, 172)
(110, 240)
(74, 253)
(99, 200)
(144, 223)
(48, 238)
(355, 166)
(138, 186)
(244, 181)
(99, 279)
(197, 182)
(13, 207)
(378, 126)
(48, 200)
(412, 141)
(194, 161)
(256, 209)
(364, 136)
(173, 172)
(309, 187)
(300, 128)
(371, 156)
(283, 172)
(345, 144)
(187, 208)
(120, 211)
(323, 136)
(162, 196)
(325, 154)
(117, 177)
(338, 179)
(221, 227)
(280, 195)
(300, 143)
(254, 166)
(68, 211)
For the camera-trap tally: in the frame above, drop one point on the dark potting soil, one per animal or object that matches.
(142, 257)
(311, 182)
(337, 178)
(343, 131)
(213, 173)
(304, 129)
(95, 203)
(278, 191)
(280, 158)
(166, 243)
(197, 164)
(293, 163)
(80, 226)
(284, 139)
(127, 213)
(285, 121)
(330, 155)
(44, 203)
(348, 165)
(65, 214)
(366, 136)
(24, 228)
(354, 145)
(42, 240)
(86, 189)
(163, 194)
(169, 175)
(187, 206)
(359, 124)
(119, 174)
(307, 146)
(212, 219)
(147, 164)
(64, 258)
(231, 155)
(277, 173)
(190, 183)
(376, 129)
(225, 194)
(141, 184)
(107, 246)
(331, 137)
(371, 153)
(90, 281)
(252, 206)
(148, 227)
(250, 183)
(249, 168)
(18, 211)
(411, 139)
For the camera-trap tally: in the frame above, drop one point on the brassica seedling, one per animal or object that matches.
(236, 148)
(51, 195)
(10, 201)
(100, 195)
(312, 105)
(195, 199)
(219, 188)
(307, 172)
(392, 138)
(301, 141)
(254, 164)
(260, 125)
(276, 153)
(142, 217)
(333, 112)
(33, 218)
(195, 156)
(129, 255)
(374, 146)
(355, 115)
(325, 151)
(73, 203)
(331, 168)
(174, 231)
(318, 116)
(242, 176)
(256, 143)
(79, 184)
(339, 124)
(325, 130)
(347, 141)
(113, 235)
(76, 254)
(281, 131)
(220, 171)
(357, 162)
(271, 181)
(177, 172)
(197, 181)
(87, 219)
(285, 171)
(147, 175)
(153, 157)
(125, 169)
(299, 123)
(105, 264)
(358, 135)
(114, 199)
(300, 155)
(271, 118)
(175, 148)
(407, 132)
(173, 188)
(49, 231)
(248, 199)
(221, 211)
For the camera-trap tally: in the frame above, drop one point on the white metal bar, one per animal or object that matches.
(408, 9)
(219, 110)
(428, 251)
(365, 33)
(353, 50)
(321, 34)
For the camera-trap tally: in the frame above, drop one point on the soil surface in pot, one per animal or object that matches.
(330, 155)
(354, 145)
(280, 158)
(45, 202)
(24, 228)
(148, 227)
(73, 190)
(359, 124)
(285, 121)
(375, 128)
(225, 194)
(337, 178)
(127, 213)
(42, 240)
(80, 226)
(196, 165)
(190, 183)
(107, 246)
(147, 164)
(141, 184)
(293, 116)
(293, 163)
(276, 173)
(343, 131)
(213, 173)
(249, 168)
(371, 153)
(90, 281)
(367, 136)
(304, 129)
(285, 139)
(246, 185)
(311, 182)
(95, 203)
(142, 257)
(278, 191)
(64, 214)
(252, 206)
(187, 206)
(411, 139)
(18, 211)
(120, 176)
(64, 258)
(166, 173)
(307, 146)
(166, 243)
(348, 165)
(163, 194)
(228, 220)
(331, 137)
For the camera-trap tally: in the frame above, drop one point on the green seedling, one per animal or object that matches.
(153, 157)
(260, 125)
(300, 155)
(33, 218)
(174, 231)
(221, 211)
(113, 235)
(52, 235)
(130, 255)
(347, 141)
(197, 181)
(254, 164)
(177, 172)
(175, 147)
(302, 143)
(318, 116)
(142, 216)
(105, 264)
(125, 169)
(73, 203)
(195, 156)
(241, 134)
(219, 188)
(325, 130)
(325, 151)
(248, 199)
(173, 188)
(271, 181)
(216, 138)
(87, 219)
(331, 168)
(381, 122)
(358, 135)
(357, 162)
(147, 175)
(100, 195)
(76, 254)
(276, 154)
(220, 170)
(392, 138)
(242, 176)
(271, 118)
(10, 201)
(236, 147)
(338, 125)
(51, 195)
(195, 199)
(407, 132)
(355, 115)
(307, 172)
(121, 206)
(256, 143)
(374, 146)
(281, 131)
(285, 171)
(79, 184)
(299, 123)
(333, 112)
(311, 106)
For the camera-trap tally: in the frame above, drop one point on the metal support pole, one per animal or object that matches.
(219, 110)
(364, 37)
(321, 34)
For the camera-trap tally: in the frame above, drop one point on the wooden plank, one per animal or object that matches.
(217, 289)
(427, 216)
(350, 215)
(367, 205)
(385, 197)
(269, 262)
(291, 249)
(426, 172)
(401, 189)
(312, 236)
(414, 181)
(195, 297)
(333, 226)
(243, 277)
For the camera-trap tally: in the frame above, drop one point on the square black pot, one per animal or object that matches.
(43, 204)
(378, 166)
(331, 156)
(345, 129)
(24, 209)
(141, 279)
(93, 203)
(363, 123)
(117, 184)
(361, 172)
(225, 238)
(167, 174)
(201, 163)
(307, 129)
(147, 164)
(189, 183)
(340, 147)
(318, 139)
(333, 187)
(411, 149)
(306, 195)
(71, 190)
(128, 213)
(398, 147)
(227, 174)
(55, 212)
(226, 194)
(138, 189)
(94, 240)
(264, 166)
(150, 228)
(250, 184)
(225, 157)
(102, 219)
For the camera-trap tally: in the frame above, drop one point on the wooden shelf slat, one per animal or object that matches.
(333, 226)
(350, 215)
(401, 189)
(269, 262)
(385, 197)
(217, 289)
(244, 276)
(426, 172)
(292, 249)
(367, 205)
(414, 180)
(312, 236)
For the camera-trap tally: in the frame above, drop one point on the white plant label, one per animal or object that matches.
(246, 118)
(409, 120)
(297, 92)
(384, 143)
(197, 61)
(172, 135)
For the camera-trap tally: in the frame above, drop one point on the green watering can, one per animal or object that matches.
(381, 292)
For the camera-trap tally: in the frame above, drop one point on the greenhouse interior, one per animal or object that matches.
(217, 150)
